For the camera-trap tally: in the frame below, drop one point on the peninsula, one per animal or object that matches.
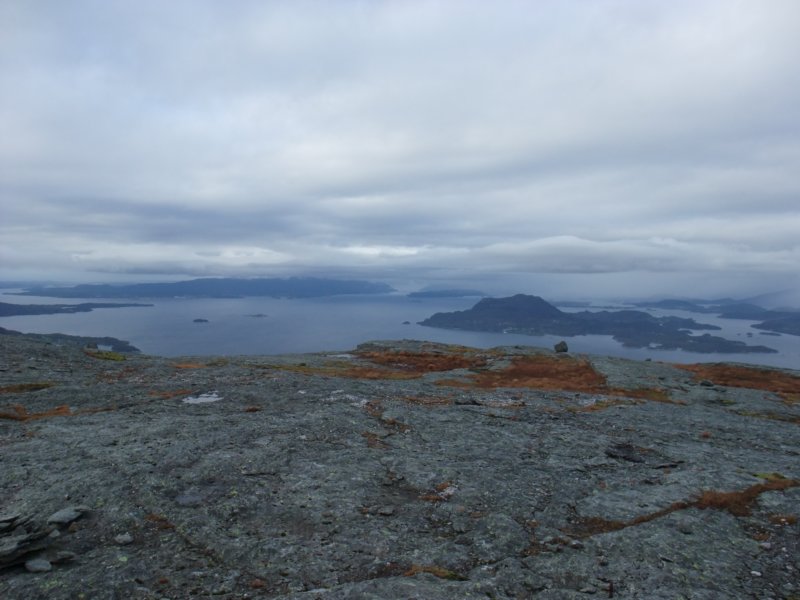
(12, 310)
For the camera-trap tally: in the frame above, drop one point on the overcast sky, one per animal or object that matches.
(572, 145)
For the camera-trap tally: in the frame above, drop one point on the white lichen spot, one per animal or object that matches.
(203, 398)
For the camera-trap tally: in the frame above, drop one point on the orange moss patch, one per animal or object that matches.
(188, 366)
(439, 572)
(25, 387)
(741, 503)
(160, 521)
(348, 370)
(738, 503)
(20, 413)
(169, 394)
(785, 385)
(252, 409)
(429, 400)
(539, 372)
(369, 373)
(652, 394)
(105, 355)
(556, 373)
(373, 441)
(423, 362)
(441, 493)
(783, 519)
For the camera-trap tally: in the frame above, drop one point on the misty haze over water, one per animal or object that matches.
(241, 326)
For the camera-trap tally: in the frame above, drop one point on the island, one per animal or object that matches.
(218, 287)
(532, 315)
(774, 321)
(14, 310)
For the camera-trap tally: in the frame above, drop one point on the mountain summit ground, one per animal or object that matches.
(395, 470)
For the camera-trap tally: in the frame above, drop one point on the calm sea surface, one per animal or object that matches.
(338, 323)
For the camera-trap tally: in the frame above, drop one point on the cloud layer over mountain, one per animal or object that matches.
(655, 141)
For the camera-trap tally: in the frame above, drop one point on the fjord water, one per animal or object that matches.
(339, 323)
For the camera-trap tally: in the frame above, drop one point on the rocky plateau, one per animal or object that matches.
(396, 469)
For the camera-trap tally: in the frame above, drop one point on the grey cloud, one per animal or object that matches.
(400, 139)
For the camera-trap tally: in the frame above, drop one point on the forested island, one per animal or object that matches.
(532, 315)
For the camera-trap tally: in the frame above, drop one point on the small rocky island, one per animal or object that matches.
(532, 315)
(396, 470)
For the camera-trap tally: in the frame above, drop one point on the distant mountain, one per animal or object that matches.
(532, 315)
(687, 305)
(293, 287)
(454, 293)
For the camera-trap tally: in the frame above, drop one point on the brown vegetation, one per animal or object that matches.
(373, 441)
(160, 521)
(570, 374)
(25, 387)
(441, 493)
(540, 372)
(439, 572)
(786, 385)
(20, 413)
(424, 362)
(738, 503)
(166, 395)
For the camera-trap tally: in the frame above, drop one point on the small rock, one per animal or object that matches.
(61, 556)
(38, 565)
(67, 515)
(123, 539)
(755, 573)
(576, 544)
(561, 347)
(9, 517)
(386, 511)
(589, 589)
(685, 528)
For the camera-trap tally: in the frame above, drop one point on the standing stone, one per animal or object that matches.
(561, 347)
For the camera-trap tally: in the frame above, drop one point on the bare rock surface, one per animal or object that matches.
(396, 470)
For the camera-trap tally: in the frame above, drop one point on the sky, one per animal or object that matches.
(569, 147)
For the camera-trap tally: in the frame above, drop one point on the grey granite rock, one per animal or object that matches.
(334, 476)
